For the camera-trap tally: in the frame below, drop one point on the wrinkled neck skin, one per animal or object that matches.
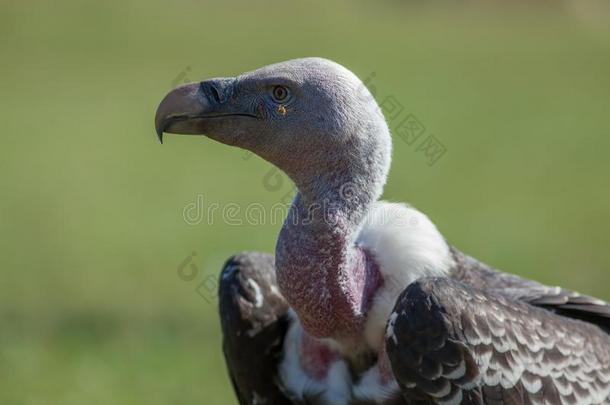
(326, 278)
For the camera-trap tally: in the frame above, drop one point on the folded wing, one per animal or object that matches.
(449, 342)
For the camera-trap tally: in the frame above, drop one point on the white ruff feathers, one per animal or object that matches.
(406, 245)
(335, 388)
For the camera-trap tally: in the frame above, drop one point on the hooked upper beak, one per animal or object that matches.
(185, 109)
(177, 107)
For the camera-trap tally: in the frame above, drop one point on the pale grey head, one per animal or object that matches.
(301, 115)
(316, 121)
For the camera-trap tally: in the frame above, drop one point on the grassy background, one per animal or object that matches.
(92, 309)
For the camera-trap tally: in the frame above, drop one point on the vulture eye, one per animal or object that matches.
(280, 93)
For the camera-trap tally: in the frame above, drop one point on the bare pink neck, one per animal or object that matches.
(326, 278)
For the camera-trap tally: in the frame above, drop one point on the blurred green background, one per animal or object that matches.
(92, 306)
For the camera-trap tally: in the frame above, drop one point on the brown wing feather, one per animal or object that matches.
(564, 302)
(254, 323)
(448, 341)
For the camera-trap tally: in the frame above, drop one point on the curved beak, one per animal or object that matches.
(177, 107)
(185, 109)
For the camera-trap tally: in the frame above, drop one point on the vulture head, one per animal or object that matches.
(305, 116)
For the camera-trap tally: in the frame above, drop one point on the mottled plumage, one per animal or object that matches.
(468, 336)
(450, 342)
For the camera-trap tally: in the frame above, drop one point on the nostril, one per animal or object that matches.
(217, 91)
(215, 94)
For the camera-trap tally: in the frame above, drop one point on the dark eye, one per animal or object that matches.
(280, 93)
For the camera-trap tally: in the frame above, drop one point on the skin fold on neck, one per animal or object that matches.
(327, 279)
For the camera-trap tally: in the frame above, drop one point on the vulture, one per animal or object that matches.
(364, 301)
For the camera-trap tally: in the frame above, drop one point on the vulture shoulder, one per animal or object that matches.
(254, 321)
(556, 299)
(449, 342)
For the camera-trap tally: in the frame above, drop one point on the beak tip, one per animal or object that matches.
(159, 128)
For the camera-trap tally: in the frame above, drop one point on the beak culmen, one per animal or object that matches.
(184, 109)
